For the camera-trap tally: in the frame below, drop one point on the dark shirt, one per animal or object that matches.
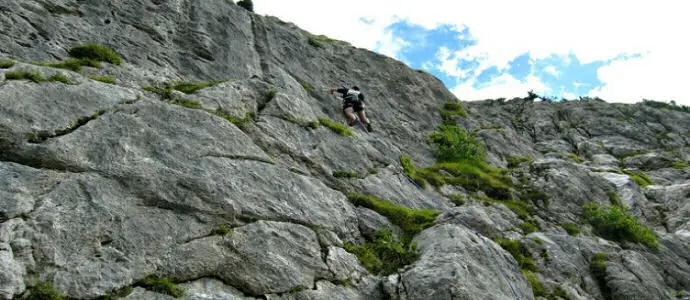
(351, 95)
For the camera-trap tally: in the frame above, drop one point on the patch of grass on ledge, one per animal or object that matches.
(95, 52)
(615, 224)
(640, 177)
(44, 291)
(384, 255)
(191, 87)
(242, 123)
(6, 64)
(187, 103)
(572, 229)
(574, 157)
(25, 75)
(453, 108)
(336, 127)
(73, 64)
(411, 221)
(160, 285)
(104, 79)
(345, 174)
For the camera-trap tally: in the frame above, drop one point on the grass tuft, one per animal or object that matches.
(572, 229)
(518, 252)
(191, 87)
(160, 285)
(453, 108)
(44, 291)
(59, 77)
(95, 52)
(384, 255)
(6, 64)
(242, 123)
(104, 79)
(336, 127)
(615, 224)
(25, 75)
(640, 177)
(345, 174)
(187, 103)
(221, 230)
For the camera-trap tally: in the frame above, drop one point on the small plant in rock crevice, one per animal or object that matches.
(615, 224)
(335, 127)
(160, 285)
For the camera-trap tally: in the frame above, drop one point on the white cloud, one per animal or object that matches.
(449, 64)
(504, 86)
(505, 29)
(391, 45)
(551, 70)
(569, 96)
(577, 84)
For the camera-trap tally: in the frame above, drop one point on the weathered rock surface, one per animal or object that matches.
(102, 185)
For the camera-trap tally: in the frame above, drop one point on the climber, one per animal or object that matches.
(353, 101)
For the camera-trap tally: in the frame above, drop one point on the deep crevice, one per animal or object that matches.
(239, 157)
(42, 136)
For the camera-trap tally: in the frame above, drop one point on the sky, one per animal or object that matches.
(619, 51)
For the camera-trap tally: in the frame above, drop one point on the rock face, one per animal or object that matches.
(231, 194)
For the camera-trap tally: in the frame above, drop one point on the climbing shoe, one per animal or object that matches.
(369, 127)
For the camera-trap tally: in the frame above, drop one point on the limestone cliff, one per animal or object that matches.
(204, 156)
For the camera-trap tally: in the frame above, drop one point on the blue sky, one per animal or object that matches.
(621, 51)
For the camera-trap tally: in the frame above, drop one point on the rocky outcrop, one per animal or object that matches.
(229, 190)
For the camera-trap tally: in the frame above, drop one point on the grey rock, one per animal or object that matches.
(370, 222)
(455, 263)
(211, 289)
(328, 238)
(343, 264)
(634, 278)
(142, 294)
(11, 274)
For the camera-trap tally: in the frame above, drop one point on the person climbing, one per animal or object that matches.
(353, 101)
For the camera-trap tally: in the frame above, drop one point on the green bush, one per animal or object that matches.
(28, 75)
(336, 127)
(615, 224)
(6, 64)
(457, 199)
(246, 4)
(454, 144)
(104, 79)
(160, 285)
(95, 52)
(453, 108)
(411, 221)
(572, 229)
(44, 291)
(514, 162)
(384, 256)
(345, 174)
(474, 177)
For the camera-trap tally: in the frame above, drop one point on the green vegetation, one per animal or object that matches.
(615, 224)
(104, 79)
(614, 198)
(411, 221)
(336, 127)
(307, 87)
(246, 4)
(165, 93)
(475, 176)
(345, 174)
(528, 227)
(384, 255)
(187, 103)
(117, 294)
(73, 64)
(411, 171)
(44, 291)
(316, 40)
(572, 229)
(191, 87)
(537, 287)
(59, 77)
(95, 52)
(28, 75)
(457, 199)
(271, 94)
(242, 123)
(374, 171)
(545, 255)
(453, 108)
(514, 162)
(221, 230)
(520, 254)
(314, 124)
(454, 143)
(663, 105)
(574, 157)
(598, 268)
(6, 64)
(640, 177)
(680, 164)
(160, 285)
